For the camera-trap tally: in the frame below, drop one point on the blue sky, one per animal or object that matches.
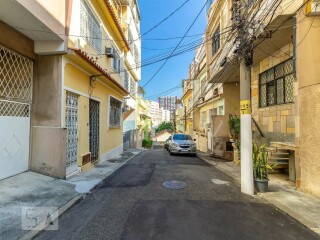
(176, 69)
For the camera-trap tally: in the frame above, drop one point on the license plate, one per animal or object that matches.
(184, 150)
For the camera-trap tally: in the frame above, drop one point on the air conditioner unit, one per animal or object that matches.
(109, 52)
(313, 8)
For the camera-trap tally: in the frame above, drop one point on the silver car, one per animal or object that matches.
(182, 144)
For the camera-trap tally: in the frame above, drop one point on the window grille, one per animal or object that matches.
(90, 27)
(126, 80)
(94, 119)
(130, 39)
(136, 56)
(16, 73)
(132, 86)
(115, 112)
(216, 41)
(72, 128)
(116, 62)
(276, 85)
(14, 109)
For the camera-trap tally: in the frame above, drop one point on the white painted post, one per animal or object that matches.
(246, 130)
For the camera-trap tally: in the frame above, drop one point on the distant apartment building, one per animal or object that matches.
(155, 113)
(168, 103)
(165, 115)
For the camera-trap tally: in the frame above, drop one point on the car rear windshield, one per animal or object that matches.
(181, 137)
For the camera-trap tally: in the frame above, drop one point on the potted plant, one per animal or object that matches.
(260, 167)
(234, 131)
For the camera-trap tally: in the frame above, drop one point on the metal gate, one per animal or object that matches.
(128, 139)
(94, 129)
(72, 132)
(16, 74)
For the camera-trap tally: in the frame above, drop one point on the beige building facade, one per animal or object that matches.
(72, 81)
(284, 77)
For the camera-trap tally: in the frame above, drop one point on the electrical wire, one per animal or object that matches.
(194, 21)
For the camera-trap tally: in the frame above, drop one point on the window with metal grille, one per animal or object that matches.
(136, 55)
(132, 86)
(90, 27)
(115, 113)
(116, 62)
(126, 80)
(130, 39)
(276, 85)
(216, 41)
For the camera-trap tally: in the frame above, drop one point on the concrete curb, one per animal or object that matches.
(75, 200)
(33, 233)
(269, 199)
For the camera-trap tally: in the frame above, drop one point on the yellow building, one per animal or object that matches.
(94, 81)
(144, 122)
(285, 91)
(284, 78)
(75, 68)
(188, 106)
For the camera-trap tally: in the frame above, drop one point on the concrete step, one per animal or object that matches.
(278, 158)
(280, 153)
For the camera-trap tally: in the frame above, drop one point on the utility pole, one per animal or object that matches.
(174, 120)
(245, 101)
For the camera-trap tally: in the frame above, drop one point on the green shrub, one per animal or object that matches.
(147, 143)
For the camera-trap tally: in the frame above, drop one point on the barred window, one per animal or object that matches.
(136, 55)
(132, 87)
(90, 27)
(115, 113)
(116, 61)
(276, 85)
(126, 80)
(216, 41)
(130, 39)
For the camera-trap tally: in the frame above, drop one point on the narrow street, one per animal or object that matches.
(133, 204)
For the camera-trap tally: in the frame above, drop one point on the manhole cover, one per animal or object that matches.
(174, 184)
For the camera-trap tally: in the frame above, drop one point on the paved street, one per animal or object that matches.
(133, 204)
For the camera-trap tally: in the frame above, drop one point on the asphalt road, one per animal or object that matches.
(132, 204)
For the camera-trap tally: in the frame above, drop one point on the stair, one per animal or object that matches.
(278, 156)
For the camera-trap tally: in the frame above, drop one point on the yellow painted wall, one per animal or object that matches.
(110, 138)
(308, 73)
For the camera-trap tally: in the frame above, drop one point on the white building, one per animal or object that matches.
(131, 75)
(155, 113)
(165, 115)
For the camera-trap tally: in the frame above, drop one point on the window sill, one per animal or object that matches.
(275, 105)
(114, 127)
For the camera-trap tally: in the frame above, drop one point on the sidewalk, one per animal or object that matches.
(30, 190)
(282, 194)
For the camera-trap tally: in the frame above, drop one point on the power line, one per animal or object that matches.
(165, 19)
(156, 73)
